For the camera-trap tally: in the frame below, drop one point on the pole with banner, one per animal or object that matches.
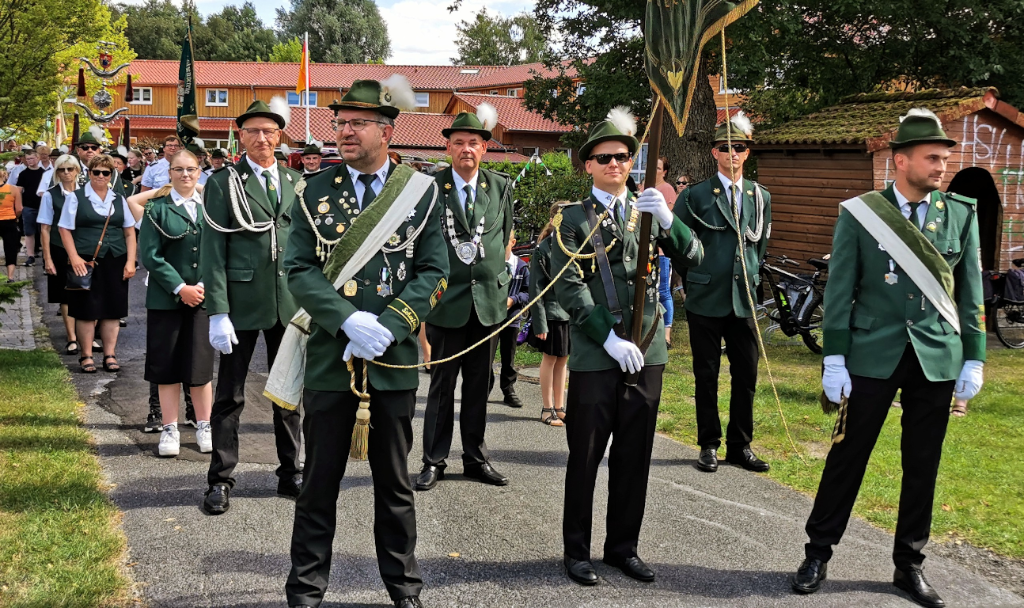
(303, 84)
(188, 119)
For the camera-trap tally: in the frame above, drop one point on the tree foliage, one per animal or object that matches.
(340, 31)
(287, 52)
(497, 40)
(796, 57)
(537, 190)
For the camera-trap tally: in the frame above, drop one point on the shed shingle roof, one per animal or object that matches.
(860, 119)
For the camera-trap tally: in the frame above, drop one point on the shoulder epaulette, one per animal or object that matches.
(962, 199)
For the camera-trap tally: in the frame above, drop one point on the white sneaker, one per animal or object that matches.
(204, 437)
(170, 441)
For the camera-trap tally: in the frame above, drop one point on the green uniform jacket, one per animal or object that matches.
(715, 287)
(540, 277)
(170, 261)
(482, 285)
(240, 274)
(416, 283)
(584, 298)
(871, 322)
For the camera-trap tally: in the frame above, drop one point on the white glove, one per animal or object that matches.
(625, 353)
(969, 383)
(222, 333)
(369, 335)
(354, 350)
(653, 202)
(836, 379)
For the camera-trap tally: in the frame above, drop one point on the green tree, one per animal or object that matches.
(538, 186)
(287, 52)
(497, 40)
(340, 31)
(155, 28)
(795, 57)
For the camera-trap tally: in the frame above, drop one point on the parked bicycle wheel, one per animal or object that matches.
(1010, 324)
(812, 337)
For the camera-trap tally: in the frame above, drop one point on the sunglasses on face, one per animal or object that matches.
(604, 159)
(100, 172)
(88, 147)
(682, 182)
(66, 170)
(736, 148)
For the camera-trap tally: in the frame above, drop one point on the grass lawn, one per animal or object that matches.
(980, 489)
(59, 541)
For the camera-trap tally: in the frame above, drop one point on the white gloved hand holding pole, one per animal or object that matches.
(354, 350)
(836, 379)
(222, 333)
(625, 353)
(369, 335)
(652, 201)
(969, 383)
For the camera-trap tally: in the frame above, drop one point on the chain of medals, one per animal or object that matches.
(751, 236)
(466, 251)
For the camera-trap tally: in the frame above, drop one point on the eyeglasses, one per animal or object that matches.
(604, 159)
(741, 148)
(100, 173)
(357, 124)
(267, 133)
(67, 169)
(682, 182)
(87, 147)
(189, 170)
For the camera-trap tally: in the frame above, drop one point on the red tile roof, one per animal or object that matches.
(721, 114)
(516, 74)
(168, 123)
(513, 115)
(441, 155)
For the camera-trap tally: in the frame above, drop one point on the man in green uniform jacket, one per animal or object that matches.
(903, 311)
(477, 222)
(599, 299)
(373, 317)
(717, 300)
(248, 215)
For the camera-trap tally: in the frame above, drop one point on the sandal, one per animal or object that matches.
(71, 348)
(560, 412)
(959, 409)
(110, 367)
(548, 417)
(87, 368)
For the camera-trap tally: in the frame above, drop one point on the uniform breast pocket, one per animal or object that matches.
(950, 250)
(239, 274)
(504, 278)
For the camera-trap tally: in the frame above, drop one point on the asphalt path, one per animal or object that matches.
(728, 539)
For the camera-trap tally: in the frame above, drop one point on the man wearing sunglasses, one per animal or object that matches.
(598, 291)
(86, 149)
(721, 210)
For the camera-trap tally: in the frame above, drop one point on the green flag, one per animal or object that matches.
(676, 32)
(188, 119)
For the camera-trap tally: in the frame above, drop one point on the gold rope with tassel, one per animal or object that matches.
(361, 430)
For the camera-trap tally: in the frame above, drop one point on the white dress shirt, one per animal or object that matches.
(616, 205)
(101, 206)
(274, 175)
(46, 207)
(157, 174)
(904, 202)
(377, 184)
(460, 185)
(727, 184)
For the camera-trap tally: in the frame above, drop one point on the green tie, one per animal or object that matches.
(469, 202)
(271, 188)
(913, 213)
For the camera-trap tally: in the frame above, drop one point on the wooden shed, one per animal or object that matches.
(812, 164)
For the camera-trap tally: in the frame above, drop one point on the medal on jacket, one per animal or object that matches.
(384, 289)
(891, 277)
(468, 250)
(401, 271)
(350, 288)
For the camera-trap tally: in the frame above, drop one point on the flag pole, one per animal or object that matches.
(305, 57)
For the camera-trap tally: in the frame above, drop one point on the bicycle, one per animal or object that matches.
(794, 304)
(1008, 312)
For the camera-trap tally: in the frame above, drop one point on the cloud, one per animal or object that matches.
(423, 31)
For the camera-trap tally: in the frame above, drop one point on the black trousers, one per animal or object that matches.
(475, 366)
(507, 349)
(925, 407)
(706, 334)
(229, 400)
(599, 406)
(328, 422)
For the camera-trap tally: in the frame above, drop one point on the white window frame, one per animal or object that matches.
(138, 94)
(581, 88)
(513, 92)
(299, 98)
(529, 151)
(721, 87)
(566, 151)
(216, 95)
(494, 91)
(426, 100)
(640, 168)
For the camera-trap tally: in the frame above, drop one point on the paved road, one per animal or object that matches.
(729, 539)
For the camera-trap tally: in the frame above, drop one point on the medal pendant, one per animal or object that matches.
(891, 278)
(401, 271)
(383, 291)
(317, 221)
(466, 252)
(323, 208)
(329, 220)
(350, 288)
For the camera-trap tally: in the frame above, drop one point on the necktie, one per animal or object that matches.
(469, 202)
(368, 193)
(271, 188)
(913, 213)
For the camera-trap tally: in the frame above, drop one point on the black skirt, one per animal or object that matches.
(55, 292)
(178, 347)
(557, 342)
(108, 298)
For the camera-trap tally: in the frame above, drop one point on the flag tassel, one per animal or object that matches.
(81, 82)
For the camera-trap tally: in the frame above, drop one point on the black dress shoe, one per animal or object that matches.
(809, 576)
(409, 602)
(429, 476)
(708, 460)
(746, 459)
(912, 581)
(217, 499)
(512, 400)
(581, 571)
(289, 487)
(633, 567)
(486, 474)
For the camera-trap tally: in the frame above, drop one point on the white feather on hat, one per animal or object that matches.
(199, 142)
(97, 132)
(623, 120)
(63, 148)
(742, 122)
(279, 105)
(921, 112)
(318, 144)
(488, 116)
(122, 151)
(395, 91)
(285, 149)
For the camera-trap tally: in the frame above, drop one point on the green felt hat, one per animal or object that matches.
(87, 138)
(388, 97)
(218, 153)
(920, 126)
(731, 131)
(619, 126)
(279, 155)
(259, 108)
(195, 149)
(480, 123)
(311, 149)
